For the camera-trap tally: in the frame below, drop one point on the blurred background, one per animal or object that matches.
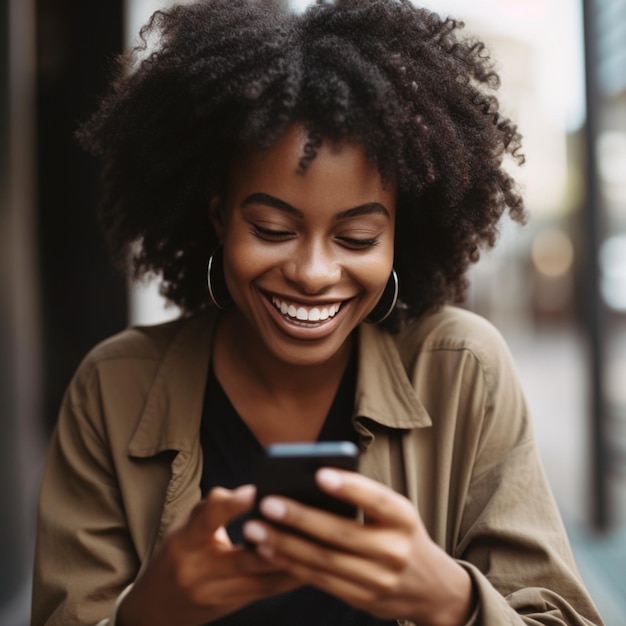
(556, 288)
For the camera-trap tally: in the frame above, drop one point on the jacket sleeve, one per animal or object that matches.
(84, 557)
(517, 553)
(511, 538)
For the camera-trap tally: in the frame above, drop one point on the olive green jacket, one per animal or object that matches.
(440, 417)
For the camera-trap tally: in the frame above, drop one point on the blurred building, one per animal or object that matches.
(609, 37)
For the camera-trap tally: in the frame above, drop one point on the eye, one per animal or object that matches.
(357, 243)
(270, 234)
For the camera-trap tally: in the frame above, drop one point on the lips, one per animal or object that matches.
(299, 312)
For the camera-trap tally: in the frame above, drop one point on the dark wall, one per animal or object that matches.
(83, 299)
(11, 540)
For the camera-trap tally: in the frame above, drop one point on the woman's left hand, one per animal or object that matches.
(387, 566)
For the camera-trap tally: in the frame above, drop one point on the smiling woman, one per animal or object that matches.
(336, 172)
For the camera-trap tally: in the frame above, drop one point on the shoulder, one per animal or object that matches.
(136, 342)
(141, 343)
(449, 349)
(126, 354)
(451, 329)
(135, 354)
(118, 376)
(455, 347)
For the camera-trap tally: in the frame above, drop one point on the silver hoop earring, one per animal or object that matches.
(387, 301)
(218, 292)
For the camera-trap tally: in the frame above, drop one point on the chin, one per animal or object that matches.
(307, 355)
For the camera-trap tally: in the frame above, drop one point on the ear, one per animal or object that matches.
(216, 215)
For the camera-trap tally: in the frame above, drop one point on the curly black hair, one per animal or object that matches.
(398, 79)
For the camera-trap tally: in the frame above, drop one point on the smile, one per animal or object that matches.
(306, 313)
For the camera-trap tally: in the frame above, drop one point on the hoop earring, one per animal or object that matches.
(218, 292)
(387, 301)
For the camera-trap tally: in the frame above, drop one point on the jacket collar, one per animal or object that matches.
(384, 391)
(173, 410)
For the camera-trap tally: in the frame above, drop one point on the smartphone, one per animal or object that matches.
(288, 469)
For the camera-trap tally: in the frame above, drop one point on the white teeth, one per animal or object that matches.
(304, 314)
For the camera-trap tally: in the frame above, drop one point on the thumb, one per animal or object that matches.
(220, 537)
(221, 506)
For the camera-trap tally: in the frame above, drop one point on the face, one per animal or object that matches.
(306, 256)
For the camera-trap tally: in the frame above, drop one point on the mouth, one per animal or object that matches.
(305, 315)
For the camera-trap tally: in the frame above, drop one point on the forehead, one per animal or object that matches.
(340, 175)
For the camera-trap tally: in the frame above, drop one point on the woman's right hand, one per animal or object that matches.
(197, 575)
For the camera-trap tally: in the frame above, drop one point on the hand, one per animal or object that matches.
(197, 575)
(387, 566)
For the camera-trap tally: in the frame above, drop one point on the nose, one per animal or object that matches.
(313, 268)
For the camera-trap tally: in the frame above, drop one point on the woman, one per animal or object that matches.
(317, 165)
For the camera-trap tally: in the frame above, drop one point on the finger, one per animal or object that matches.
(227, 565)
(245, 589)
(220, 536)
(284, 549)
(356, 592)
(378, 502)
(388, 544)
(211, 600)
(220, 507)
(228, 597)
(322, 526)
(366, 556)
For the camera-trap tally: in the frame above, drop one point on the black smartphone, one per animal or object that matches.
(288, 469)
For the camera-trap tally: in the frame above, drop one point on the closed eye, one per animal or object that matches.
(359, 244)
(270, 234)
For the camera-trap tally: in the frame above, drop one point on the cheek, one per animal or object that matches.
(245, 260)
(374, 273)
(238, 266)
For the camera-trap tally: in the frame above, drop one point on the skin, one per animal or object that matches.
(321, 242)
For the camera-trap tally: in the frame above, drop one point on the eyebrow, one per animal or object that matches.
(363, 209)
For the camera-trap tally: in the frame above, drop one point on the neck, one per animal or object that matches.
(237, 349)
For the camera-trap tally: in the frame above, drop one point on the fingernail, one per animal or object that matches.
(245, 491)
(273, 508)
(329, 478)
(253, 531)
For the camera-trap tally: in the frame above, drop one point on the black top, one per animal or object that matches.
(230, 450)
